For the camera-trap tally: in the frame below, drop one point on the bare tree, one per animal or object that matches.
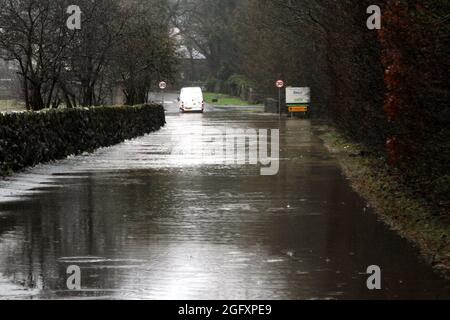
(102, 25)
(147, 51)
(32, 33)
(207, 26)
(120, 42)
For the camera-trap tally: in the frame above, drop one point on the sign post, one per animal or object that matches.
(279, 84)
(298, 99)
(163, 86)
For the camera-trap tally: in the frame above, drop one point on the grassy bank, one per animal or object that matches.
(224, 100)
(11, 105)
(412, 218)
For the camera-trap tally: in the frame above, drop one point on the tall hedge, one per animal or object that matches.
(29, 138)
(415, 52)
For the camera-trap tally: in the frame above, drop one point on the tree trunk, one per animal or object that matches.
(37, 103)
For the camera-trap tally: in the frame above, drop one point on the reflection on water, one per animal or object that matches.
(145, 222)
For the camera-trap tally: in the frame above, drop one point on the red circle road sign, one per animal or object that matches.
(162, 85)
(280, 84)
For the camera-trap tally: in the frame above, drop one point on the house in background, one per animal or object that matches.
(9, 82)
(192, 68)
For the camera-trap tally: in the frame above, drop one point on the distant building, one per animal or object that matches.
(9, 84)
(192, 69)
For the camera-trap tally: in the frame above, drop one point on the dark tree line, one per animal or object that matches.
(208, 27)
(387, 89)
(121, 43)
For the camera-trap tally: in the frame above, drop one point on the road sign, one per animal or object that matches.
(162, 85)
(295, 109)
(280, 84)
(298, 96)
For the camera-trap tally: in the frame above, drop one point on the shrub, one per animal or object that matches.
(238, 84)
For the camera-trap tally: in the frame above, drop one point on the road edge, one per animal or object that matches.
(410, 218)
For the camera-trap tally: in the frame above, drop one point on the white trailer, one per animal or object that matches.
(298, 95)
(298, 99)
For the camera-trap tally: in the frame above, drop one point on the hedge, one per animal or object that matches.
(29, 138)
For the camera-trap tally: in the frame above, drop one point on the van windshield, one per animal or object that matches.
(194, 94)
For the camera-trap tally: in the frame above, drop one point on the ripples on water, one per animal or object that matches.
(147, 220)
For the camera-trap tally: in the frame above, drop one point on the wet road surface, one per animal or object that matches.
(145, 220)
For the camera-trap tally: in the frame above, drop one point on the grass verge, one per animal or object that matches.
(224, 100)
(412, 218)
(11, 106)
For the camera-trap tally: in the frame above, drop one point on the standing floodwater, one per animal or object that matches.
(145, 221)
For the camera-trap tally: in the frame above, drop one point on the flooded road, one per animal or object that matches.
(145, 220)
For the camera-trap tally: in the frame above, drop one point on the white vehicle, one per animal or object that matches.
(191, 100)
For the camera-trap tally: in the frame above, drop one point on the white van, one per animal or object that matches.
(191, 100)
